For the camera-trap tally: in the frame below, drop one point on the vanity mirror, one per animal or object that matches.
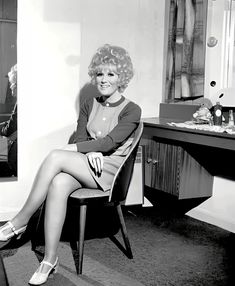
(220, 59)
(200, 51)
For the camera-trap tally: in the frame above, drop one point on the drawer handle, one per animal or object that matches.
(155, 162)
(149, 160)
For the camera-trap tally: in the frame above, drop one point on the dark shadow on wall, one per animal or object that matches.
(86, 92)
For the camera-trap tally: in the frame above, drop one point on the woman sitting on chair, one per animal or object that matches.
(102, 140)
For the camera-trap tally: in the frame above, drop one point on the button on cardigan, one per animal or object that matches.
(111, 136)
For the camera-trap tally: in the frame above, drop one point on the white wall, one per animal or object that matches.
(56, 40)
(47, 89)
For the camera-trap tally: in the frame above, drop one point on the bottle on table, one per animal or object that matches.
(230, 118)
(217, 114)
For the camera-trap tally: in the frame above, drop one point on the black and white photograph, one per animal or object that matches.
(117, 142)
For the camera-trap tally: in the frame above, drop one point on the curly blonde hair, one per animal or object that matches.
(112, 55)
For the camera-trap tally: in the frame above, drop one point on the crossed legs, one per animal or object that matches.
(60, 174)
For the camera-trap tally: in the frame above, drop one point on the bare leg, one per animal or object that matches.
(66, 172)
(61, 187)
(56, 162)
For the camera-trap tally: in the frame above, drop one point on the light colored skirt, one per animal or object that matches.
(110, 167)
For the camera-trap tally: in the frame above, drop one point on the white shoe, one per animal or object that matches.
(39, 278)
(13, 232)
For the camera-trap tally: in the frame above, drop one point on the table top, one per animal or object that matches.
(159, 127)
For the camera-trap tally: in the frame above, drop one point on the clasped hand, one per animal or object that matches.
(96, 161)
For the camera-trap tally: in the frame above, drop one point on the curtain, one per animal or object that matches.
(186, 49)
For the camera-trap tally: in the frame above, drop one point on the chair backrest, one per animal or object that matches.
(123, 176)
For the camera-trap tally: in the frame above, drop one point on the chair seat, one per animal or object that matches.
(83, 195)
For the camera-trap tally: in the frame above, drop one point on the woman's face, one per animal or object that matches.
(107, 79)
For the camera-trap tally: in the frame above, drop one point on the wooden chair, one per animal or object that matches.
(85, 197)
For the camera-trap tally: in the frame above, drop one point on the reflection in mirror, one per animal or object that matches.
(8, 90)
(232, 31)
(228, 68)
(185, 67)
(221, 58)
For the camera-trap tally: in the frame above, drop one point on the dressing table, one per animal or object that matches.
(181, 161)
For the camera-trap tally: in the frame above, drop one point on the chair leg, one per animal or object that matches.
(36, 227)
(82, 224)
(124, 232)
